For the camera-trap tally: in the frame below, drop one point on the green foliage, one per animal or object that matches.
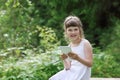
(47, 38)
(29, 13)
(15, 15)
(42, 66)
(112, 40)
(15, 24)
(105, 65)
(31, 67)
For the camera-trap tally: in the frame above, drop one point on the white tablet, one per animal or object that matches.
(65, 49)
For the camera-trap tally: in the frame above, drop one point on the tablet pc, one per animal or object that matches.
(65, 49)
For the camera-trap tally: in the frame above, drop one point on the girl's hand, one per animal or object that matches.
(73, 55)
(63, 56)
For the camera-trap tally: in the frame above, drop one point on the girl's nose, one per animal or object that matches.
(73, 31)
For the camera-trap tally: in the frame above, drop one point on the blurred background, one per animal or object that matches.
(32, 30)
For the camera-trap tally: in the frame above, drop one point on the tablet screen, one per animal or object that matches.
(65, 49)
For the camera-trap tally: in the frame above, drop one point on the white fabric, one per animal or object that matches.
(77, 71)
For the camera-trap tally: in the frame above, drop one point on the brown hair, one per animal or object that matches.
(74, 21)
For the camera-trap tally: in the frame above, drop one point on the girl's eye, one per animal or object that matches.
(69, 29)
(76, 29)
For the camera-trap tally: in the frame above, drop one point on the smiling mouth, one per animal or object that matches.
(73, 36)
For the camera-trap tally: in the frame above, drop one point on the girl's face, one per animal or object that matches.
(73, 33)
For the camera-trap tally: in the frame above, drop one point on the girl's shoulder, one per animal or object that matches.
(86, 42)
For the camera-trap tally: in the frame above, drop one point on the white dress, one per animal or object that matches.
(77, 71)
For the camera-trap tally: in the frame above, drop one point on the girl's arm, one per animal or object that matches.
(66, 62)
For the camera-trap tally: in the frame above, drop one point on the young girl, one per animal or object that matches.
(79, 68)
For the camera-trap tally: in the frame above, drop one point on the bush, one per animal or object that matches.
(36, 66)
(105, 65)
(114, 42)
(32, 67)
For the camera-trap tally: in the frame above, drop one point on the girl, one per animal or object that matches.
(79, 68)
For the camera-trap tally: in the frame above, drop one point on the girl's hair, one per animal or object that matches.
(74, 21)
